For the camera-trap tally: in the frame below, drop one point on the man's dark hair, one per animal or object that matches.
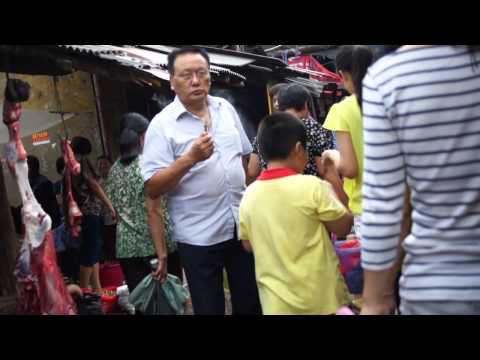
(277, 135)
(275, 89)
(185, 50)
(355, 59)
(33, 165)
(293, 96)
(60, 165)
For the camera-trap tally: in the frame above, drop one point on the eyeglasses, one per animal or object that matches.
(188, 75)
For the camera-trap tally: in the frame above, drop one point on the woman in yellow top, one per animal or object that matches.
(345, 119)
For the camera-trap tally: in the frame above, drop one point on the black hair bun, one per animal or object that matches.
(134, 121)
(81, 145)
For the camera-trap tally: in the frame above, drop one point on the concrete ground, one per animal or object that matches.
(8, 305)
(228, 306)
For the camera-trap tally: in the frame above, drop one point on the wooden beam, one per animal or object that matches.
(31, 60)
(8, 243)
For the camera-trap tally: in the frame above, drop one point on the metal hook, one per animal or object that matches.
(59, 104)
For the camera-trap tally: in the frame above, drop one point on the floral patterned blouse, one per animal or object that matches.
(318, 140)
(125, 189)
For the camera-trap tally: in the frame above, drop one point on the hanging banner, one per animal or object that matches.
(40, 138)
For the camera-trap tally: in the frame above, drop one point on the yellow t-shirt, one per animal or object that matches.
(297, 269)
(346, 116)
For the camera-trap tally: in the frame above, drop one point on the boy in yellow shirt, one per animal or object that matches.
(285, 219)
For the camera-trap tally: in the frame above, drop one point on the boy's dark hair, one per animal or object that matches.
(185, 50)
(293, 96)
(277, 135)
(33, 165)
(355, 59)
(60, 165)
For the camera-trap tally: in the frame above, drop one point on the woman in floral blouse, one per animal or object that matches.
(143, 225)
(294, 99)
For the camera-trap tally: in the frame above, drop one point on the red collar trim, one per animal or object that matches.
(276, 173)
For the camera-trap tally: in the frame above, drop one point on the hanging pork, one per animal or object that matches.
(41, 289)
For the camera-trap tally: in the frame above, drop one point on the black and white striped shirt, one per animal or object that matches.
(421, 113)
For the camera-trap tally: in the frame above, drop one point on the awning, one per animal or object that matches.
(316, 87)
(148, 61)
(218, 59)
(238, 61)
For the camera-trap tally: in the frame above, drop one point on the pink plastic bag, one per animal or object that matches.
(349, 254)
(344, 310)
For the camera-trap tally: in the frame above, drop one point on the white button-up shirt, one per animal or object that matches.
(204, 205)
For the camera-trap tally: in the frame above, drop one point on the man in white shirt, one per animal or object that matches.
(193, 154)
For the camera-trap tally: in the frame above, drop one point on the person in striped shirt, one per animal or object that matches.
(421, 115)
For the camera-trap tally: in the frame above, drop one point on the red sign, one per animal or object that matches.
(40, 138)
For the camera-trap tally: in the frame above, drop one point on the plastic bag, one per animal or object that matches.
(349, 254)
(350, 264)
(176, 294)
(59, 238)
(151, 297)
(123, 300)
(344, 310)
(64, 239)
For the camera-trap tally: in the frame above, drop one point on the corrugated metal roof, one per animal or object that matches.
(92, 49)
(218, 59)
(237, 60)
(152, 62)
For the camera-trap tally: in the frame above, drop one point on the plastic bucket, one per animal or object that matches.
(111, 274)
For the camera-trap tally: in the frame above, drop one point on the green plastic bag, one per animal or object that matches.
(151, 297)
(176, 294)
